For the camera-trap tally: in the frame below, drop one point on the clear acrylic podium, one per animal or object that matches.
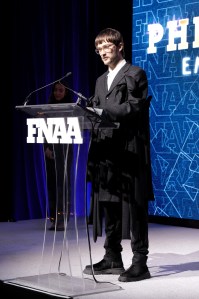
(61, 267)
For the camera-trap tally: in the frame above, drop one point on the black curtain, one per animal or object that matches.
(41, 41)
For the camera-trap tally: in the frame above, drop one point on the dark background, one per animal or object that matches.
(42, 40)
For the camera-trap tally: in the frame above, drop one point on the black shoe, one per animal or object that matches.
(105, 267)
(135, 272)
(58, 227)
(52, 227)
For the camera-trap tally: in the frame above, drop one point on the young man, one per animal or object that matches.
(119, 161)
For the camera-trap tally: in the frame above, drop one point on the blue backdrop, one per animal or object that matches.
(166, 44)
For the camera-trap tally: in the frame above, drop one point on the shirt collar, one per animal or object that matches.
(117, 68)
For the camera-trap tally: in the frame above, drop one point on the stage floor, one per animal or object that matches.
(51, 263)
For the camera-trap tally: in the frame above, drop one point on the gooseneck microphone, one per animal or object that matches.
(80, 96)
(28, 97)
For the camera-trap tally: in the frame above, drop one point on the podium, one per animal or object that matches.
(68, 110)
(60, 271)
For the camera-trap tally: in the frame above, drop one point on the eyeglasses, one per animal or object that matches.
(105, 48)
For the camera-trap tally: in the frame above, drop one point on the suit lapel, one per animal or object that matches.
(118, 77)
(104, 82)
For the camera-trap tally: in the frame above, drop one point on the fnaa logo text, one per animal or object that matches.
(54, 130)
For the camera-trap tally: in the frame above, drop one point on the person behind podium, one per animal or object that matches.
(58, 185)
(119, 162)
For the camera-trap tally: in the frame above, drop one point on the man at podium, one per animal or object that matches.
(119, 162)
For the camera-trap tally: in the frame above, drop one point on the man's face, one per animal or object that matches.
(109, 53)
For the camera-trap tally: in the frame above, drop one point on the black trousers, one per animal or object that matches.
(138, 230)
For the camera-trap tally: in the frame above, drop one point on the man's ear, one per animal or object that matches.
(121, 47)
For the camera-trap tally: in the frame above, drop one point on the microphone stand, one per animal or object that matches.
(86, 101)
(80, 96)
(27, 99)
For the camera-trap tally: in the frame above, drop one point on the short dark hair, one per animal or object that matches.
(110, 35)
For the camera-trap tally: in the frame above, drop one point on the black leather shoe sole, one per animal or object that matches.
(52, 227)
(105, 267)
(145, 275)
(116, 271)
(59, 227)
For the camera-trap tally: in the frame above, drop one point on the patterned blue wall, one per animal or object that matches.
(173, 74)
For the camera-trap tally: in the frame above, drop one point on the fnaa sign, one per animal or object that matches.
(54, 130)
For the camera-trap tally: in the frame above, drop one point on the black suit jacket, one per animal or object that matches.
(119, 159)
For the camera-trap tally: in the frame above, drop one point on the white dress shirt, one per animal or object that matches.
(112, 73)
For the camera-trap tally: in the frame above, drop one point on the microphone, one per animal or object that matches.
(80, 96)
(27, 99)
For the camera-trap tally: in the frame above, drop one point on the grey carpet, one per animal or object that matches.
(31, 255)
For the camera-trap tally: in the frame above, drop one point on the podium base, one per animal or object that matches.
(62, 285)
